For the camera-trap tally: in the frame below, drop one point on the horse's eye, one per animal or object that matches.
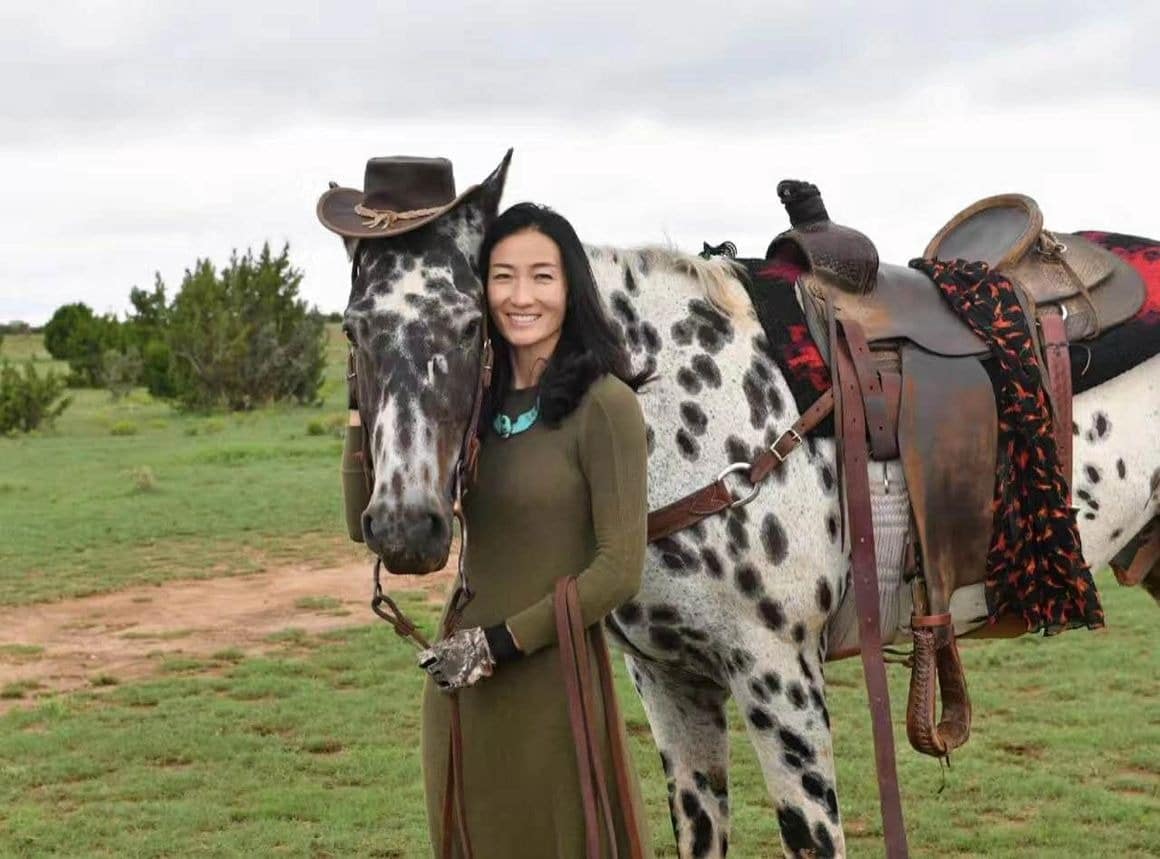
(470, 332)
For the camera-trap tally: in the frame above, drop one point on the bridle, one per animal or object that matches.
(466, 466)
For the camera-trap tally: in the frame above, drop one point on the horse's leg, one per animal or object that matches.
(687, 716)
(782, 697)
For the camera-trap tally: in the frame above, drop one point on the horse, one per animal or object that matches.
(738, 605)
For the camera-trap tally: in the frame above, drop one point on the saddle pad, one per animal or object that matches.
(1135, 341)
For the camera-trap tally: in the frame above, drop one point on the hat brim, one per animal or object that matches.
(336, 211)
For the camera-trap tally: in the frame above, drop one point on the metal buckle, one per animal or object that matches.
(736, 468)
(789, 432)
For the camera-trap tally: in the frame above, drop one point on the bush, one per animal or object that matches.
(123, 428)
(120, 371)
(242, 338)
(29, 401)
(76, 335)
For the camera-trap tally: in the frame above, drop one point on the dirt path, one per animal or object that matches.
(85, 643)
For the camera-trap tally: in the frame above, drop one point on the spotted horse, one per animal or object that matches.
(741, 604)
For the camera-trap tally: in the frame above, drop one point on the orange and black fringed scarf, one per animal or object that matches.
(1035, 566)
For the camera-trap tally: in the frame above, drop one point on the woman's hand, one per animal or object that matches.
(462, 659)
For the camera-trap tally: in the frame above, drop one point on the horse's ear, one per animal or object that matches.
(491, 189)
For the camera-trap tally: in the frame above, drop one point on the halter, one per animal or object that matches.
(465, 472)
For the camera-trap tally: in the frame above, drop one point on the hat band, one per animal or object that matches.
(384, 218)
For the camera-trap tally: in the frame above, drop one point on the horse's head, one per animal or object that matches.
(414, 319)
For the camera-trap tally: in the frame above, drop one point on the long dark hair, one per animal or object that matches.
(588, 346)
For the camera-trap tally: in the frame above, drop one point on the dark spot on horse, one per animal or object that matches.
(629, 613)
(682, 332)
(827, 476)
(694, 417)
(795, 831)
(807, 672)
(1121, 469)
(740, 660)
(832, 526)
(1091, 473)
(796, 695)
(706, 368)
(776, 406)
(792, 761)
(650, 439)
(397, 484)
(825, 596)
(664, 637)
(755, 395)
(623, 308)
(748, 581)
(736, 531)
(425, 473)
(799, 633)
(1102, 425)
(688, 446)
(773, 538)
(772, 682)
(702, 825)
(758, 689)
(771, 614)
(713, 565)
(689, 380)
(760, 719)
(1089, 516)
(736, 449)
(663, 614)
(1083, 495)
(1115, 535)
(796, 744)
(652, 339)
(629, 281)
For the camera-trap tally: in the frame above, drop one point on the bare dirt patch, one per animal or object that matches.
(111, 638)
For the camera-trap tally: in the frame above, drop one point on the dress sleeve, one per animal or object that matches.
(614, 458)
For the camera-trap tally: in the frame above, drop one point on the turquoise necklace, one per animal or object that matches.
(505, 427)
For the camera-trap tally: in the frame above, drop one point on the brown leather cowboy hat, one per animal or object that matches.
(400, 194)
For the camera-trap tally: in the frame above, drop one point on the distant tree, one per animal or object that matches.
(76, 335)
(145, 329)
(29, 400)
(242, 337)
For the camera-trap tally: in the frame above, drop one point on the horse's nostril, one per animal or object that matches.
(435, 522)
(368, 526)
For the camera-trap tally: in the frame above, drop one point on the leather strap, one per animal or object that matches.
(1058, 357)
(582, 704)
(864, 573)
(883, 444)
(715, 497)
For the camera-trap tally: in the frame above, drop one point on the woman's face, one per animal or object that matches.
(526, 289)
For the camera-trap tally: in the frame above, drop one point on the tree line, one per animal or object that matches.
(235, 338)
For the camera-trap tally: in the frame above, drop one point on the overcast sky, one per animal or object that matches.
(139, 136)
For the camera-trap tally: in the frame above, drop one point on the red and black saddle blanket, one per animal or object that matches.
(1035, 566)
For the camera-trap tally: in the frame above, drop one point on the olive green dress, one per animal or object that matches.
(547, 503)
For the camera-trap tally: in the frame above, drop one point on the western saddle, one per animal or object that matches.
(929, 401)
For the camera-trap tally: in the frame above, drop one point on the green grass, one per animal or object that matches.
(313, 751)
(134, 492)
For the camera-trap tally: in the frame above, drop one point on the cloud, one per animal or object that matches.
(125, 67)
(140, 136)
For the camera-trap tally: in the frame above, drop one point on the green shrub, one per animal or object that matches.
(143, 479)
(241, 337)
(120, 371)
(316, 427)
(123, 428)
(28, 400)
(76, 335)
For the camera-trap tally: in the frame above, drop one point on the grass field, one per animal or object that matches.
(311, 750)
(134, 491)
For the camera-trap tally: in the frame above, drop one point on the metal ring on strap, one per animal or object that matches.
(736, 468)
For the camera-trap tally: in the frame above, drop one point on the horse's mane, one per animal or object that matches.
(719, 278)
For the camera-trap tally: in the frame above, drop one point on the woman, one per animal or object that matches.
(561, 490)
